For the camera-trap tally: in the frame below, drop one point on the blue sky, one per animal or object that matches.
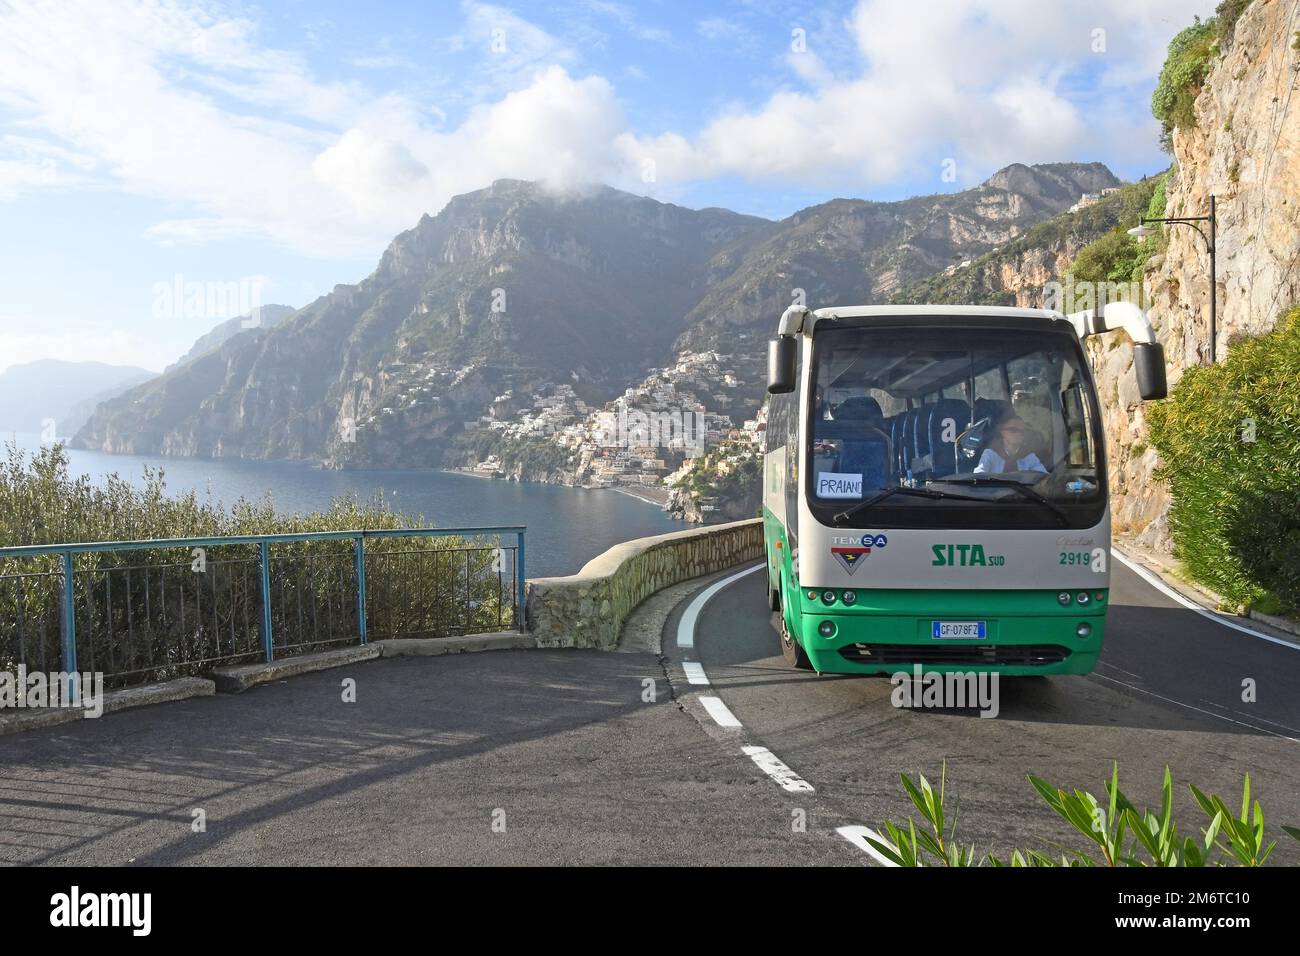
(277, 147)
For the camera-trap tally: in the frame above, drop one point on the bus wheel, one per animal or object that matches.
(794, 654)
(773, 599)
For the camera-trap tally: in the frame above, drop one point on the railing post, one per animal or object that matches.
(359, 555)
(519, 582)
(69, 616)
(268, 645)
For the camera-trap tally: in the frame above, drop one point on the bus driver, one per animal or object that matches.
(1008, 451)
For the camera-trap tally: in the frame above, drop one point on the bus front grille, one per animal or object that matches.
(969, 654)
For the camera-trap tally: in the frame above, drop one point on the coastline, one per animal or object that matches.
(647, 498)
(645, 493)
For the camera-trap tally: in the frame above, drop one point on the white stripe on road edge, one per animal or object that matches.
(719, 712)
(774, 768)
(1169, 592)
(686, 626)
(857, 836)
(694, 673)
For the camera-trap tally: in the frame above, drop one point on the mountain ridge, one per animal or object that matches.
(511, 287)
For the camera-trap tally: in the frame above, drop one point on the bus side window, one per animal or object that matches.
(1074, 411)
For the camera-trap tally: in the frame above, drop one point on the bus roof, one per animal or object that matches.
(894, 311)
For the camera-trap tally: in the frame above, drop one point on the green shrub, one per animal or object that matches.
(1226, 15)
(1112, 827)
(146, 615)
(1235, 518)
(1116, 256)
(1182, 75)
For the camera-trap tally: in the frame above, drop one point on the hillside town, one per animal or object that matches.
(652, 439)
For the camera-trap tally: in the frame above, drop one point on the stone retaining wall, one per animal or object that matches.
(588, 609)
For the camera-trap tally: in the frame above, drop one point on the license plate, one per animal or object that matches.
(969, 630)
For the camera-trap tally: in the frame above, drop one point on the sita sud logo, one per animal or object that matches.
(850, 556)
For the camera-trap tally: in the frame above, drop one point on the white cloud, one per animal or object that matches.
(988, 82)
(187, 105)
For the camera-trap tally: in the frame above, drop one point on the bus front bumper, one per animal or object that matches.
(1024, 632)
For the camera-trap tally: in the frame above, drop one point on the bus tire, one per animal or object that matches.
(794, 654)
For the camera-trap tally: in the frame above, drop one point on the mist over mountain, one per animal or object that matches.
(513, 288)
(65, 393)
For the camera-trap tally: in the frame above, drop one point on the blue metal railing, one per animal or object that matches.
(167, 617)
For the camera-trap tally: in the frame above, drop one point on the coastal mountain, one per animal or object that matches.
(854, 251)
(53, 395)
(263, 317)
(513, 288)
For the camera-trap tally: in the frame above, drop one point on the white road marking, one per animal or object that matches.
(857, 836)
(774, 768)
(694, 673)
(686, 626)
(719, 712)
(1173, 595)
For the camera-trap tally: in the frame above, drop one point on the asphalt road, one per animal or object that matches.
(1168, 691)
(561, 757)
(504, 757)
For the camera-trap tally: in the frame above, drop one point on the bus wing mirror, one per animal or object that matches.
(781, 355)
(1149, 364)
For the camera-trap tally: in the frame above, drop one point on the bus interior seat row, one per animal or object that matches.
(924, 442)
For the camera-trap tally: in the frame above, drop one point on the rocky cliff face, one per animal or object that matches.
(1244, 150)
(1017, 272)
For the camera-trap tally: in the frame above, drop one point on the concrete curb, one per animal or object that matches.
(1200, 595)
(434, 646)
(643, 631)
(1281, 623)
(18, 721)
(239, 678)
(182, 688)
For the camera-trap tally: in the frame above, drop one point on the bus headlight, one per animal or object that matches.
(828, 597)
(826, 628)
(850, 597)
(1082, 597)
(1063, 598)
(1084, 629)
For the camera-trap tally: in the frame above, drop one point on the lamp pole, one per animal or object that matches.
(1192, 221)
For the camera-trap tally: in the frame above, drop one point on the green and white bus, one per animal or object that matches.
(934, 487)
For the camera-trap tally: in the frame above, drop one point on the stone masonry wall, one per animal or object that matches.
(588, 609)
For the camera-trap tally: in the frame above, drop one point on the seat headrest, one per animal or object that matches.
(859, 408)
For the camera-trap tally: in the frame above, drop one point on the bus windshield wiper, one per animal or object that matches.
(862, 506)
(1020, 487)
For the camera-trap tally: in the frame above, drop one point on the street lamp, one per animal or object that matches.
(1142, 230)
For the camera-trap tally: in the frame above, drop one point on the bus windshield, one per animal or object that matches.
(953, 418)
